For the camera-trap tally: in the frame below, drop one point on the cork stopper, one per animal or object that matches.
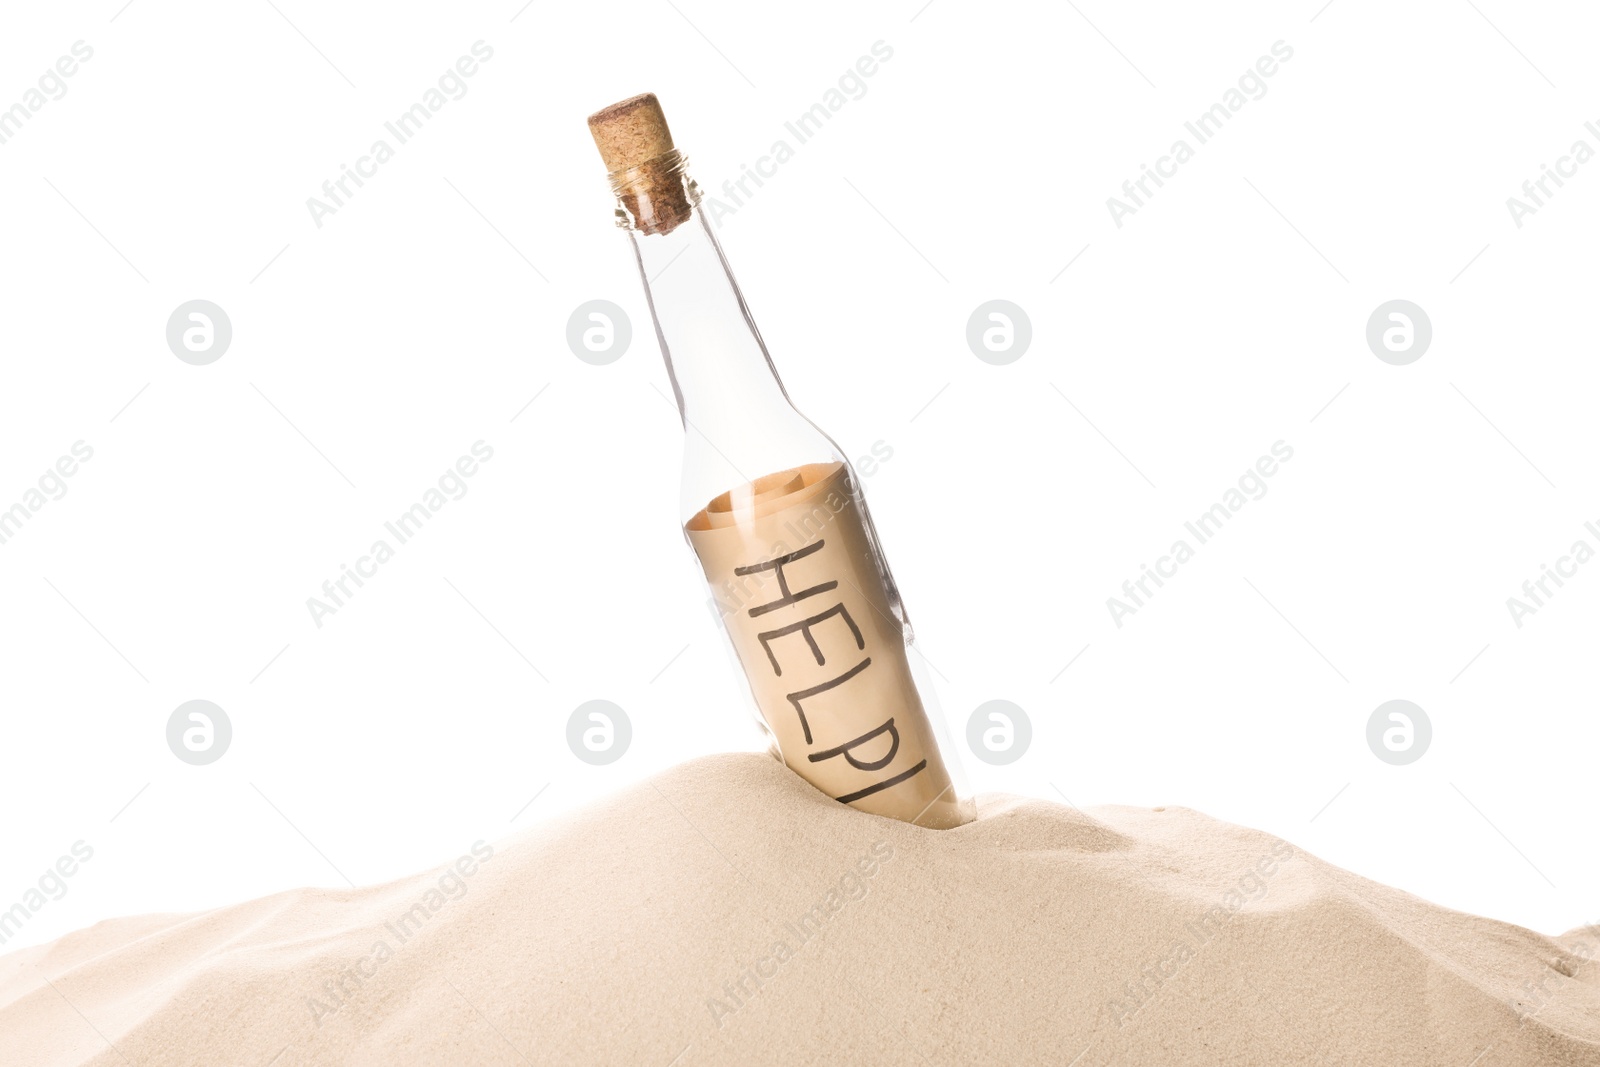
(645, 169)
(631, 132)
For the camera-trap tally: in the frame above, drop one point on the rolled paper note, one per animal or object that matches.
(795, 575)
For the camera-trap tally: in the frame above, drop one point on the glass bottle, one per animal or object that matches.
(774, 514)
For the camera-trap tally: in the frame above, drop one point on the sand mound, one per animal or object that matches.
(726, 913)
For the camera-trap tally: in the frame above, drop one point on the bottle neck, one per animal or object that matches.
(739, 423)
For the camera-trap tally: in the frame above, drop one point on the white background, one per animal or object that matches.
(369, 353)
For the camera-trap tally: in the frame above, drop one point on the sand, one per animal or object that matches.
(726, 913)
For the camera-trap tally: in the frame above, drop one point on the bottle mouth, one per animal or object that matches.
(656, 196)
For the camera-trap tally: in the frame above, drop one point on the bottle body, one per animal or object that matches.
(782, 534)
(814, 621)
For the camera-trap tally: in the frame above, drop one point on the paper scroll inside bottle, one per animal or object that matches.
(793, 571)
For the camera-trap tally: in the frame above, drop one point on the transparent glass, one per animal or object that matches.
(782, 532)
(739, 421)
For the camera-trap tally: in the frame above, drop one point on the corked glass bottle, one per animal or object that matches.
(774, 514)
